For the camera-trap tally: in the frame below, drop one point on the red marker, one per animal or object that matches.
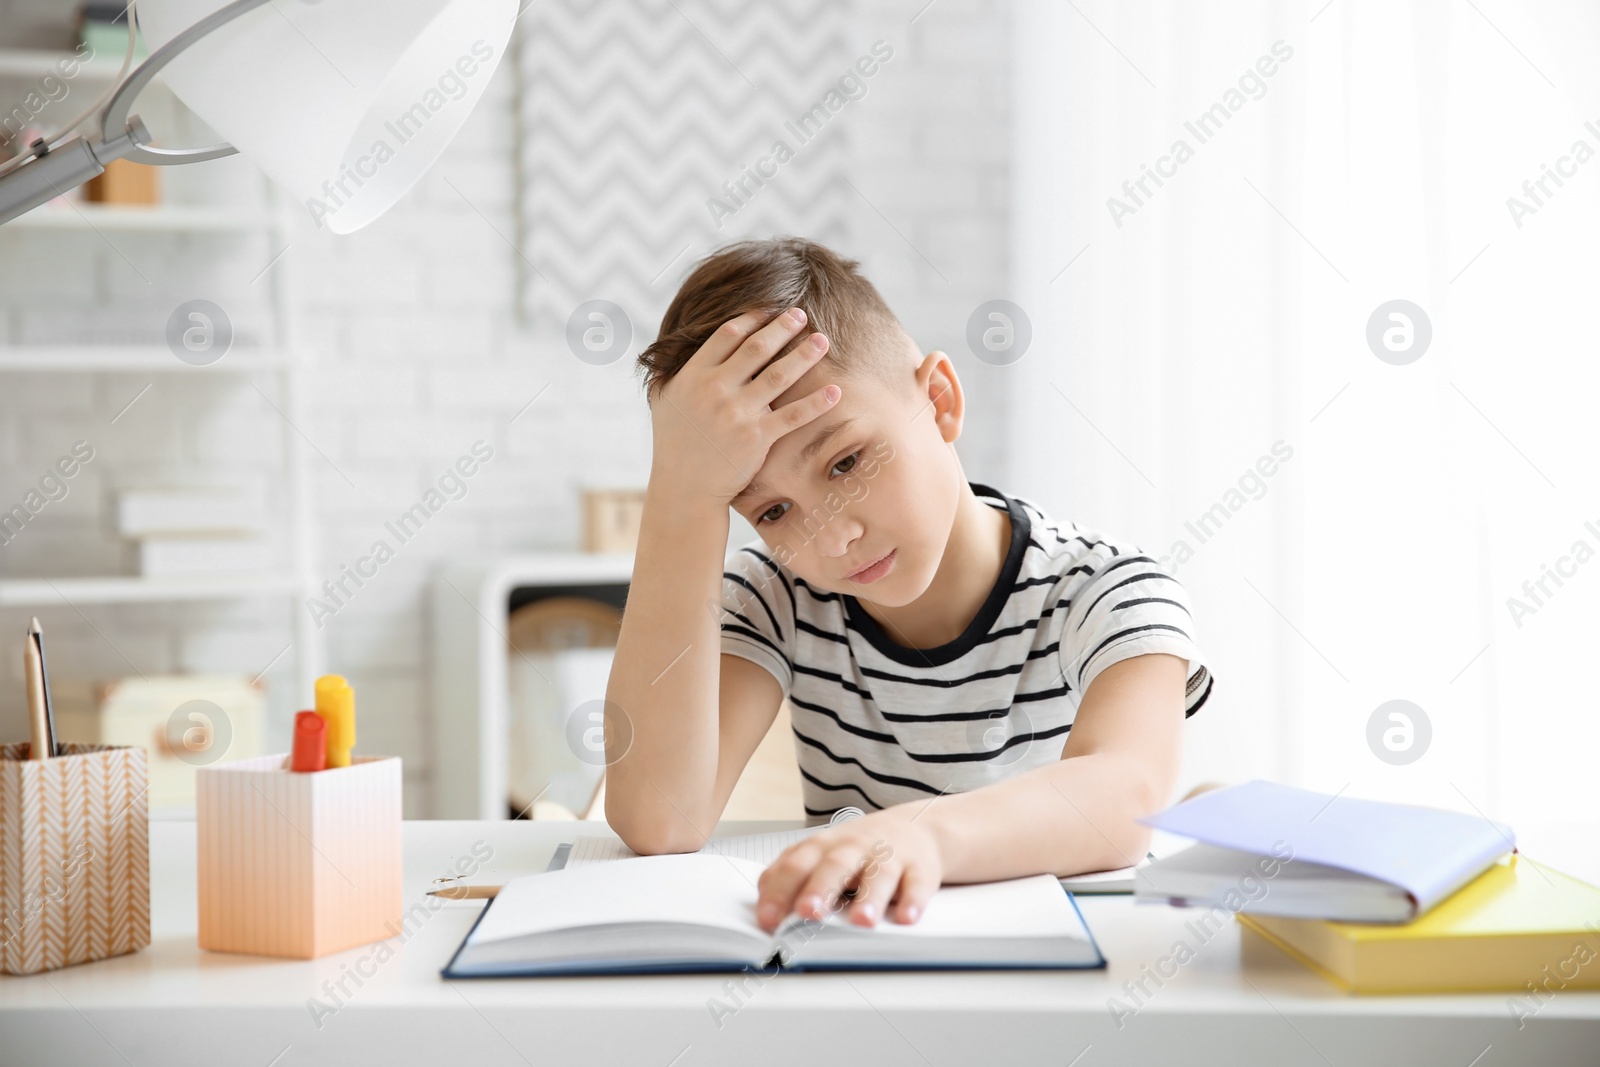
(310, 742)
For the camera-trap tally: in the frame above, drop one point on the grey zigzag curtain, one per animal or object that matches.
(643, 125)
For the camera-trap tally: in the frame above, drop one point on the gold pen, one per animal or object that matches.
(42, 744)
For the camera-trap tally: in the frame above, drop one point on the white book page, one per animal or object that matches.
(1119, 877)
(706, 890)
(1162, 844)
(758, 848)
(1035, 906)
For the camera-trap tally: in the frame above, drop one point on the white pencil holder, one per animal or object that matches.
(298, 864)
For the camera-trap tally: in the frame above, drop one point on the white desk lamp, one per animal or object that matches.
(345, 103)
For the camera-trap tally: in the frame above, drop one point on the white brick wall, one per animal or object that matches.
(421, 353)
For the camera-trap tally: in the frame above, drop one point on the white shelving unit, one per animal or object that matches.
(286, 359)
(37, 62)
(472, 717)
(131, 589)
(106, 217)
(141, 359)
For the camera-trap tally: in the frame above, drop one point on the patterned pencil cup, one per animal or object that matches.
(298, 863)
(74, 856)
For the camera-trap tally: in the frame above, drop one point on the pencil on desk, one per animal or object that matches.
(466, 892)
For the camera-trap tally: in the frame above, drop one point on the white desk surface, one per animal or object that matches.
(172, 1004)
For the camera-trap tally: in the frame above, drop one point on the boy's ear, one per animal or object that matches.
(940, 389)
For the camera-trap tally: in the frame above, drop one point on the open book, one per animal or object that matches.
(1271, 849)
(697, 912)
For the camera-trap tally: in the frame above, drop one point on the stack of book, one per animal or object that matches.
(1380, 897)
(191, 530)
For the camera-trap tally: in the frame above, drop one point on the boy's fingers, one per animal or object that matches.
(916, 887)
(828, 880)
(874, 889)
(795, 414)
(787, 369)
(764, 343)
(726, 339)
(780, 882)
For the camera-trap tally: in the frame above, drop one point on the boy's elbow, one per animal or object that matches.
(660, 844)
(1135, 842)
(653, 836)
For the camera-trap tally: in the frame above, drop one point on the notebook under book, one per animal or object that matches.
(765, 847)
(696, 912)
(1519, 926)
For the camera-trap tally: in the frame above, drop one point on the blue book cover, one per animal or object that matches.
(695, 912)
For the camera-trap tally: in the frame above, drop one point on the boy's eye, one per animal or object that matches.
(842, 467)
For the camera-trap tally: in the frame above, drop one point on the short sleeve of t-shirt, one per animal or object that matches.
(758, 612)
(1132, 607)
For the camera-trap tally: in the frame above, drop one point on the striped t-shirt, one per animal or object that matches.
(877, 723)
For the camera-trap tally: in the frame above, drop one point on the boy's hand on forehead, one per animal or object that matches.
(713, 422)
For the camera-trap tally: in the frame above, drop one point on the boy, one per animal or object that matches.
(1003, 694)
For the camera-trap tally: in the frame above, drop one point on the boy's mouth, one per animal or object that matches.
(874, 570)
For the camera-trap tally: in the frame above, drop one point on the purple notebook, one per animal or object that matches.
(1428, 852)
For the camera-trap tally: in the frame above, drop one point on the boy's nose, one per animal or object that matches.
(839, 536)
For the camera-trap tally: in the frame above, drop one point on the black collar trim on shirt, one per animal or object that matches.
(978, 629)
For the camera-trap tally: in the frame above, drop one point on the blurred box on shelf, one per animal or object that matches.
(104, 28)
(124, 183)
(611, 519)
(298, 864)
(163, 557)
(185, 721)
(155, 512)
(75, 851)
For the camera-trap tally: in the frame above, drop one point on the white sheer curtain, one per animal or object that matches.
(1357, 152)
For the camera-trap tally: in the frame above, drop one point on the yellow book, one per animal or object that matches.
(1518, 927)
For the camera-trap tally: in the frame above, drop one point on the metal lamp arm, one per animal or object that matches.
(116, 112)
(53, 171)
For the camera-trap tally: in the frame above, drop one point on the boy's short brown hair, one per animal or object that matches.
(773, 275)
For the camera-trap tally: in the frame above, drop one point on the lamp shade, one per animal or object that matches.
(343, 102)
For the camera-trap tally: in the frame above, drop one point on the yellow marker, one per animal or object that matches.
(336, 703)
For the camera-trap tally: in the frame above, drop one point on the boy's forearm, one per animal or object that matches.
(664, 676)
(1073, 816)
